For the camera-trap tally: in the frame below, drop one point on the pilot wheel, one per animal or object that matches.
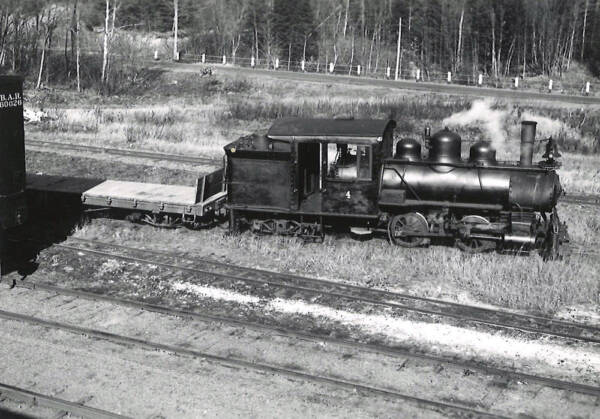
(471, 244)
(403, 229)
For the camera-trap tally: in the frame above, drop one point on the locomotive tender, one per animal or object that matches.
(12, 160)
(305, 174)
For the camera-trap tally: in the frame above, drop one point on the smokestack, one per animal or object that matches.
(527, 139)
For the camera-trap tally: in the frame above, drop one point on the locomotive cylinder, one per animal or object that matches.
(527, 140)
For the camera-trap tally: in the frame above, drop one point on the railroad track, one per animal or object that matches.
(329, 292)
(278, 329)
(583, 199)
(150, 155)
(63, 407)
(237, 361)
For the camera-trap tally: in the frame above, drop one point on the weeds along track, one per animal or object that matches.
(149, 155)
(62, 407)
(582, 199)
(332, 293)
(277, 329)
(79, 312)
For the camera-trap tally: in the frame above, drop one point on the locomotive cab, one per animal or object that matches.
(310, 170)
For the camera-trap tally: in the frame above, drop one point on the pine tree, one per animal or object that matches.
(293, 22)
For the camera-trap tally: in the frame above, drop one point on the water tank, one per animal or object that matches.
(482, 153)
(445, 147)
(408, 149)
(12, 145)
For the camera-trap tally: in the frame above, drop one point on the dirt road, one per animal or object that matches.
(450, 89)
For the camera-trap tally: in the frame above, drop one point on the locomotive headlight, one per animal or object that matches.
(232, 149)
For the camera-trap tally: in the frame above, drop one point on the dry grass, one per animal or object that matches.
(196, 115)
(441, 272)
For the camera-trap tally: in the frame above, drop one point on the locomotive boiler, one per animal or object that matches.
(12, 160)
(480, 202)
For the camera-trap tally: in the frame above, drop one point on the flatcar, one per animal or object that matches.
(13, 209)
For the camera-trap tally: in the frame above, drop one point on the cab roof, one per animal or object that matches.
(305, 129)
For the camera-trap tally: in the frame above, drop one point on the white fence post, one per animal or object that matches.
(203, 58)
(302, 65)
(388, 72)
(276, 63)
(331, 67)
(587, 88)
(418, 74)
(449, 79)
(252, 62)
(224, 59)
(358, 69)
(550, 83)
(480, 80)
(517, 82)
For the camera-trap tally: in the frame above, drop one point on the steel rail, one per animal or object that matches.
(151, 155)
(28, 396)
(353, 344)
(239, 362)
(362, 294)
(583, 199)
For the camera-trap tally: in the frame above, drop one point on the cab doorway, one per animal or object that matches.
(309, 164)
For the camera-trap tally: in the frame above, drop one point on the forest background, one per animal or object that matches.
(97, 42)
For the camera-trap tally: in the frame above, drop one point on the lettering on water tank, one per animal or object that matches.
(11, 100)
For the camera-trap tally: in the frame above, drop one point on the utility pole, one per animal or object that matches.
(398, 49)
(175, 29)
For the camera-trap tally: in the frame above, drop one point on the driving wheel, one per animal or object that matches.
(402, 227)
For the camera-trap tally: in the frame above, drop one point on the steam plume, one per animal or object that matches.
(482, 114)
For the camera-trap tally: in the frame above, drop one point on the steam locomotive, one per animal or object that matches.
(306, 174)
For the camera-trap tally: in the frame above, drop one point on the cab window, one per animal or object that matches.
(348, 161)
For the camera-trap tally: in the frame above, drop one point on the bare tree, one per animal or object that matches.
(175, 29)
(103, 76)
(49, 25)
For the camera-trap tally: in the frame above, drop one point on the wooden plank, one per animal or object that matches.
(148, 192)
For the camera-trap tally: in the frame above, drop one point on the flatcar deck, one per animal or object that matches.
(156, 198)
(60, 184)
(150, 192)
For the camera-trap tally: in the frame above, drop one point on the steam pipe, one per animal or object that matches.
(527, 139)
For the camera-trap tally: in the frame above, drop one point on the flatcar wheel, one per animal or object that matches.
(472, 245)
(159, 221)
(400, 226)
